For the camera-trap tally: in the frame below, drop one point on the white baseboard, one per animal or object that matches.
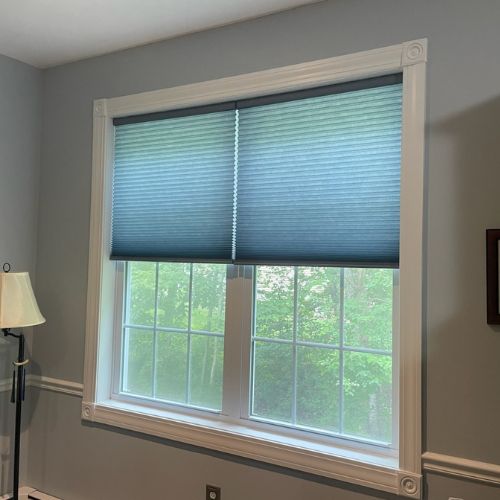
(24, 491)
(462, 468)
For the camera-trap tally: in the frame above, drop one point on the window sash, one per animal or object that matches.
(339, 347)
(239, 339)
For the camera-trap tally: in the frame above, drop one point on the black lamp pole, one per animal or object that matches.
(17, 397)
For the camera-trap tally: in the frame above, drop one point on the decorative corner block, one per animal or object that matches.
(87, 411)
(100, 107)
(410, 485)
(414, 52)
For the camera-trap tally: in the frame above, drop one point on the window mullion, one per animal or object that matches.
(187, 395)
(237, 334)
(294, 343)
(155, 336)
(247, 327)
(341, 350)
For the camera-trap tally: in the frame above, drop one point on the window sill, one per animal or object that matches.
(365, 467)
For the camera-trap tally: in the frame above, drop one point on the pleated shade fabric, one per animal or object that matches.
(173, 188)
(318, 179)
(311, 177)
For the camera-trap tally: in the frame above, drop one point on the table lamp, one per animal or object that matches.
(18, 309)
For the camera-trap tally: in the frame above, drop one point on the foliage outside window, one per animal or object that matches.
(321, 344)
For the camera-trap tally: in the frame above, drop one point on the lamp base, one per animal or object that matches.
(17, 397)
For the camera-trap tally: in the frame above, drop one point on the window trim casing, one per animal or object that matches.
(402, 478)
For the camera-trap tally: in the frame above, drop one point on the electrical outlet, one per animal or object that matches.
(213, 493)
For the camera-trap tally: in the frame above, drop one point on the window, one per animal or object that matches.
(173, 333)
(322, 350)
(245, 266)
(321, 344)
(296, 177)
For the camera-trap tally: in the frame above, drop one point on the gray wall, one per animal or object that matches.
(462, 374)
(20, 121)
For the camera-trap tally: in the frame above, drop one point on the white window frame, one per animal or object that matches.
(360, 464)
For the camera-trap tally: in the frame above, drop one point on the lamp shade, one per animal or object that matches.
(18, 306)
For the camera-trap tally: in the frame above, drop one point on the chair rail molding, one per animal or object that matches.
(47, 383)
(462, 468)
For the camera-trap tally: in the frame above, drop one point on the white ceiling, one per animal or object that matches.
(45, 33)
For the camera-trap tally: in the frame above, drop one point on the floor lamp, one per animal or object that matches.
(18, 309)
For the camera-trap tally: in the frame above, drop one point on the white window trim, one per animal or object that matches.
(361, 466)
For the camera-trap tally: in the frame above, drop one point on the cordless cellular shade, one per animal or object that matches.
(173, 188)
(318, 179)
(309, 177)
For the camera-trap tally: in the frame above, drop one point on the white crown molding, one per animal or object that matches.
(462, 468)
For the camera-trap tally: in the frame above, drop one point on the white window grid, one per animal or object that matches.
(239, 341)
(126, 326)
(341, 348)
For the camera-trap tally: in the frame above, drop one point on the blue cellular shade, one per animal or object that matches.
(318, 179)
(173, 188)
(312, 177)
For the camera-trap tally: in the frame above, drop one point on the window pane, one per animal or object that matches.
(318, 304)
(141, 293)
(336, 390)
(318, 388)
(188, 365)
(138, 362)
(274, 302)
(368, 395)
(173, 295)
(171, 366)
(207, 356)
(368, 308)
(209, 297)
(273, 381)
